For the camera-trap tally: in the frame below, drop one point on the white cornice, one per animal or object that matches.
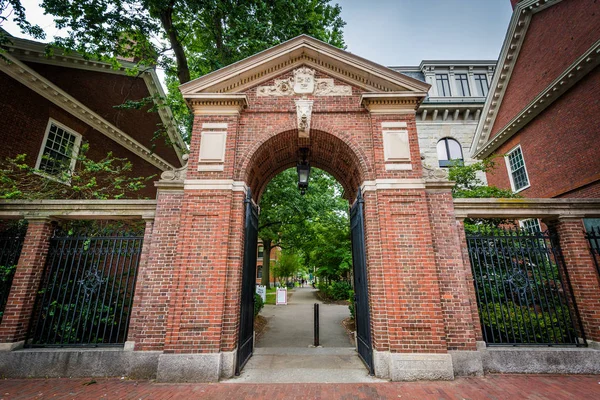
(511, 47)
(30, 51)
(303, 50)
(390, 184)
(215, 184)
(28, 77)
(581, 67)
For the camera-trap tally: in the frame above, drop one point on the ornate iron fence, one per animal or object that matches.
(87, 289)
(593, 237)
(11, 243)
(523, 290)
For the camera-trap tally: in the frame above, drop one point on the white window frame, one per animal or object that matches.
(523, 225)
(74, 154)
(510, 173)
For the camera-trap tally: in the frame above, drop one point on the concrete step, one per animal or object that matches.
(299, 365)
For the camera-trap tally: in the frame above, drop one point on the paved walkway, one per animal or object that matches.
(494, 387)
(284, 353)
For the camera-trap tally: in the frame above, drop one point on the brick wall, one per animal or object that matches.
(556, 37)
(25, 118)
(560, 146)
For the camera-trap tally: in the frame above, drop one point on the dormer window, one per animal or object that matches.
(462, 85)
(481, 84)
(443, 85)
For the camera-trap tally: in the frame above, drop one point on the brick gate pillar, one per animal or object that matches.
(581, 272)
(148, 326)
(25, 285)
(203, 308)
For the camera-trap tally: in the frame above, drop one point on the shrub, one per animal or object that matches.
(258, 304)
(340, 290)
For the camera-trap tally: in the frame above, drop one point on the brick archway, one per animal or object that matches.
(327, 152)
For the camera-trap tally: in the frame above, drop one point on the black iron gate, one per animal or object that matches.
(87, 289)
(11, 243)
(246, 334)
(361, 297)
(523, 290)
(593, 237)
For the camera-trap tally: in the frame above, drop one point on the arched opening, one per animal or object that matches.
(327, 152)
(337, 159)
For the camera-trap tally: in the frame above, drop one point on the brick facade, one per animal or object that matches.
(559, 143)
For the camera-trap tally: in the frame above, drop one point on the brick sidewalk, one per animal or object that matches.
(489, 387)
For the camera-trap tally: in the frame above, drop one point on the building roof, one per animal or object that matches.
(21, 51)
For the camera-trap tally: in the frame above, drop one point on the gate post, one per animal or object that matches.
(25, 285)
(582, 272)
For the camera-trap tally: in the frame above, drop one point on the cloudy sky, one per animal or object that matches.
(398, 32)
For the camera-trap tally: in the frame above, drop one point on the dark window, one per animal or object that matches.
(481, 83)
(449, 151)
(443, 84)
(462, 85)
(259, 271)
(59, 152)
(260, 252)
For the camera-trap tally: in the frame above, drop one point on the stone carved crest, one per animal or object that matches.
(304, 82)
(432, 173)
(303, 112)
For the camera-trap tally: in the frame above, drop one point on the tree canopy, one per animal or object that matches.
(187, 38)
(314, 226)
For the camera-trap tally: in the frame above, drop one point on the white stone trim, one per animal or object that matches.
(28, 77)
(215, 125)
(383, 184)
(210, 167)
(398, 167)
(511, 47)
(301, 50)
(394, 124)
(576, 71)
(215, 184)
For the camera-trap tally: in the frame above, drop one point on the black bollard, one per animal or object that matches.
(316, 325)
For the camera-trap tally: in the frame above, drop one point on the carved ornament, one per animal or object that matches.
(304, 82)
(304, 111)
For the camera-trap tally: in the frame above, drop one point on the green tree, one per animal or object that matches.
(188, 38)
(13, 9)
(105, 179)
(286, 266)
(307, 224)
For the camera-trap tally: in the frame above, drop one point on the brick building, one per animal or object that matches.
(541, 118)
(66, 99)
(447, 118)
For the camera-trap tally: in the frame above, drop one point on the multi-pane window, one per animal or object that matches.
(443, 84)
(531, 226)
(462, 85)
(516, 168)
(261, 252)
(259, 271)
(59, 151)
(481, 84)
(449, 151)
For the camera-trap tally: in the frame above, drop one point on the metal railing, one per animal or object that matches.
(11, 243)
(593, 237)
(523, 290)
(87, 289)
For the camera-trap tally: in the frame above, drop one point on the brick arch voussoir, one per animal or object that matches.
(364, 160)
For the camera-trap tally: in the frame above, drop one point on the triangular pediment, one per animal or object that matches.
(304, 51)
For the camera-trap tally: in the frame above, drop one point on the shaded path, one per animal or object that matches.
(284, 353)
(292, 325)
